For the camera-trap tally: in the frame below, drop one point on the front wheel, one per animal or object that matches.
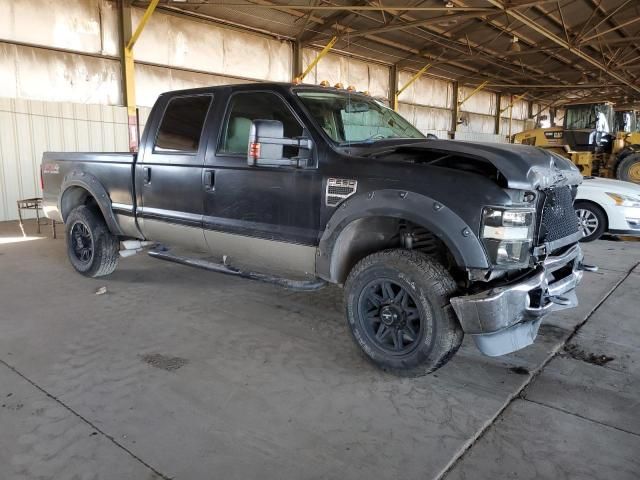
(592, 220)
(91, 248)
(399, 313)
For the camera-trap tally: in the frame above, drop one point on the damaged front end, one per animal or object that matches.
(536, 265)
(506, 318)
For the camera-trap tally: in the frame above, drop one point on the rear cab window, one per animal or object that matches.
(181, 127)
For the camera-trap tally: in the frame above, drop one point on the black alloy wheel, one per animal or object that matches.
(81, 242)
(390, 316)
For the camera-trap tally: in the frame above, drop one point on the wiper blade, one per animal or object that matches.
(368, 141)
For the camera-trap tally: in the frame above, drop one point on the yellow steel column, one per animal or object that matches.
(129, 76)
(322, 53)
(408, 84)
(476, 90)
(513, 101)
(130, 95)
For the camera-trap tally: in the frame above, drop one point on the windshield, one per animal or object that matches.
(626, 121)
(350, 118)
(589, 117)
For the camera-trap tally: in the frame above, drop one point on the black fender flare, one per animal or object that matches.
(92, 185)
(422, 210)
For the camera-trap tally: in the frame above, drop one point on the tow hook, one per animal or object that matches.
(587, 268)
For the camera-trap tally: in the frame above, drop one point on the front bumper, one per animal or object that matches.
(506, 318)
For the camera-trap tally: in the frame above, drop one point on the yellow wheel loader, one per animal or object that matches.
(598, 139)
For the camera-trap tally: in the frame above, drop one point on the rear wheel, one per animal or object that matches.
(629, 168)
(399, 313)
(592, 220)
(91, 248)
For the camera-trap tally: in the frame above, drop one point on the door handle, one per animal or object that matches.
(210, 180)
(146, 175)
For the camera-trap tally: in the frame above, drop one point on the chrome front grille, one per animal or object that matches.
(558, 219)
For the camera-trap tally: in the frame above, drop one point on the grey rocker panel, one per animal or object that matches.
(262, 255)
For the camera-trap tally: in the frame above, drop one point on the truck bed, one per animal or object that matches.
(114, 171)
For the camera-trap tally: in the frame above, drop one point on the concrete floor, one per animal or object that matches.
(181, 373)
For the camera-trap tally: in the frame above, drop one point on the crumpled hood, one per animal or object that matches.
(524, 167)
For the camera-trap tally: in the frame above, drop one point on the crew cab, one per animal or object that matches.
(302, 185)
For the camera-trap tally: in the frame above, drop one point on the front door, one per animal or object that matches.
(256, 217)
(169, 174)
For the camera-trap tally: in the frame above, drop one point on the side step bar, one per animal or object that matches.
(299, 285)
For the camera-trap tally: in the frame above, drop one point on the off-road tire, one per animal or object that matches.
(598, 213)
(431, 286)
(629, 168)
(104, 257)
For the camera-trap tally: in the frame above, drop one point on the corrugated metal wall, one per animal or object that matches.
(478, 111)
(39, 74)
(173, 52)
(427, 103)
(519, 116)
(200, 54)
(157, 80)
(88, 27)
(363, 76)
(30, 127)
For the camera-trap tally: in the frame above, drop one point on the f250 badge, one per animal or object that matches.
(51, 169)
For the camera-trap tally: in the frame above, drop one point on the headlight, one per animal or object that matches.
(507, 235)
(624, 200)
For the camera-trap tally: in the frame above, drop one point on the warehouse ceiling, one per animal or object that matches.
(562, 51)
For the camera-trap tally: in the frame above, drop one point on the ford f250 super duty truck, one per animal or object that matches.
(304, 185)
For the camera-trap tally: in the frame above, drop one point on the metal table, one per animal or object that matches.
(33, 204)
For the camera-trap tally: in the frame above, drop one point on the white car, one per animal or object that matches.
(607, 206)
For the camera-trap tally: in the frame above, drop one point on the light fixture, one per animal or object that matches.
(448, 4)
(515, 46)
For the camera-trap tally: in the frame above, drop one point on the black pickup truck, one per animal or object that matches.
(304, 185)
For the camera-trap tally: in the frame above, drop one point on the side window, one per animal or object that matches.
(182, 124)
(247, 107)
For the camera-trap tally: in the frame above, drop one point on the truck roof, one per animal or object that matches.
(278, 86)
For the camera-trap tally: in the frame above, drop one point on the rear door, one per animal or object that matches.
(264, 218)
(169, 174)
